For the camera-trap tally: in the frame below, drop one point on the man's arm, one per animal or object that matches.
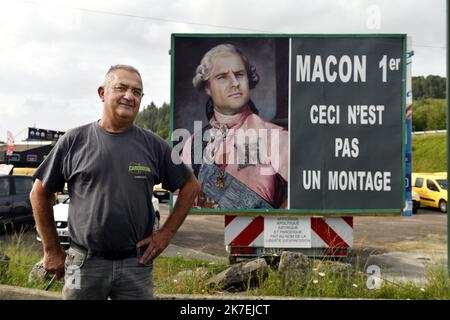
(54, 255)
(160, 239)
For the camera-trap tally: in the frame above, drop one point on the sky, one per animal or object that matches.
(54, 54)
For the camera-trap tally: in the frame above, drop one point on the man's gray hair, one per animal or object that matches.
(122, 67)
(203, 71)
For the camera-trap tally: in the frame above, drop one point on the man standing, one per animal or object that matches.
(110, 167)
(240, 159)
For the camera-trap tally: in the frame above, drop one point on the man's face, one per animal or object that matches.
(121, 96)
(228, 84)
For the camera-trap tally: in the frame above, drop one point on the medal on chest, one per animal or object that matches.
(220, 183)
(219, 180)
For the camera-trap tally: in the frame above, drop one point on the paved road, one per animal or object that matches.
(199, 232)
(427, 225)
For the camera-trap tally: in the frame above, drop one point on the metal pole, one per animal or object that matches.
(448, 128)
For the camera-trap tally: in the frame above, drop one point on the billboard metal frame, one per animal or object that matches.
(299, 212)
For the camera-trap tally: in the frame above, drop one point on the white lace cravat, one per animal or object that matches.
(224, 118)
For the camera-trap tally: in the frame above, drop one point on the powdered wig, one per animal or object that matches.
(203, 71)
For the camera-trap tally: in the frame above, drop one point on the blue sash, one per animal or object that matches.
(233, 195)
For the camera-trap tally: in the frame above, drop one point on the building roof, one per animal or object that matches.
(24, 147)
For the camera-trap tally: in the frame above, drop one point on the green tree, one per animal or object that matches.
(429, 114)
(430, 87)
(418, 87)
(155, 119)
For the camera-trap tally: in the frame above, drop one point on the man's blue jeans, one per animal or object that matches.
(95, 278)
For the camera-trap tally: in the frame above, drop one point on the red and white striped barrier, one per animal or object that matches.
(336, 232)
(244, 231)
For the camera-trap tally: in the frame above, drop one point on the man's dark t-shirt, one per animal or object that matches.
(110, 178)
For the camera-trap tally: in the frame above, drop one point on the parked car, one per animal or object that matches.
(160, 193)
(6, 169)
(62, 195)
(24, 171)
(15, 206)
(432, 189)
(61, 214)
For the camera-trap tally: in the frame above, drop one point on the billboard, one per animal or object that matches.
(301, 124)
(35, 134)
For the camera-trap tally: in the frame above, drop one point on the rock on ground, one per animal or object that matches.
(240, 275)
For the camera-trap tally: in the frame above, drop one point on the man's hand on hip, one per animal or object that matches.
(160, 239)
(157, 242)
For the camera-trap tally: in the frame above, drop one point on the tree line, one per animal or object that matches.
(155, 119)
(429, 87)
(429, 107)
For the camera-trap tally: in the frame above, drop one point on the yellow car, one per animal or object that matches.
(25, 171)
(432, 189)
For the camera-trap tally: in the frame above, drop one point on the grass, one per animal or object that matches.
(429, 153)
(22, 259)
(195, 274)
(322, 280)
(325, 282)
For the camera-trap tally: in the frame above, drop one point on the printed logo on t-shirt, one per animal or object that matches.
(138, 171)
